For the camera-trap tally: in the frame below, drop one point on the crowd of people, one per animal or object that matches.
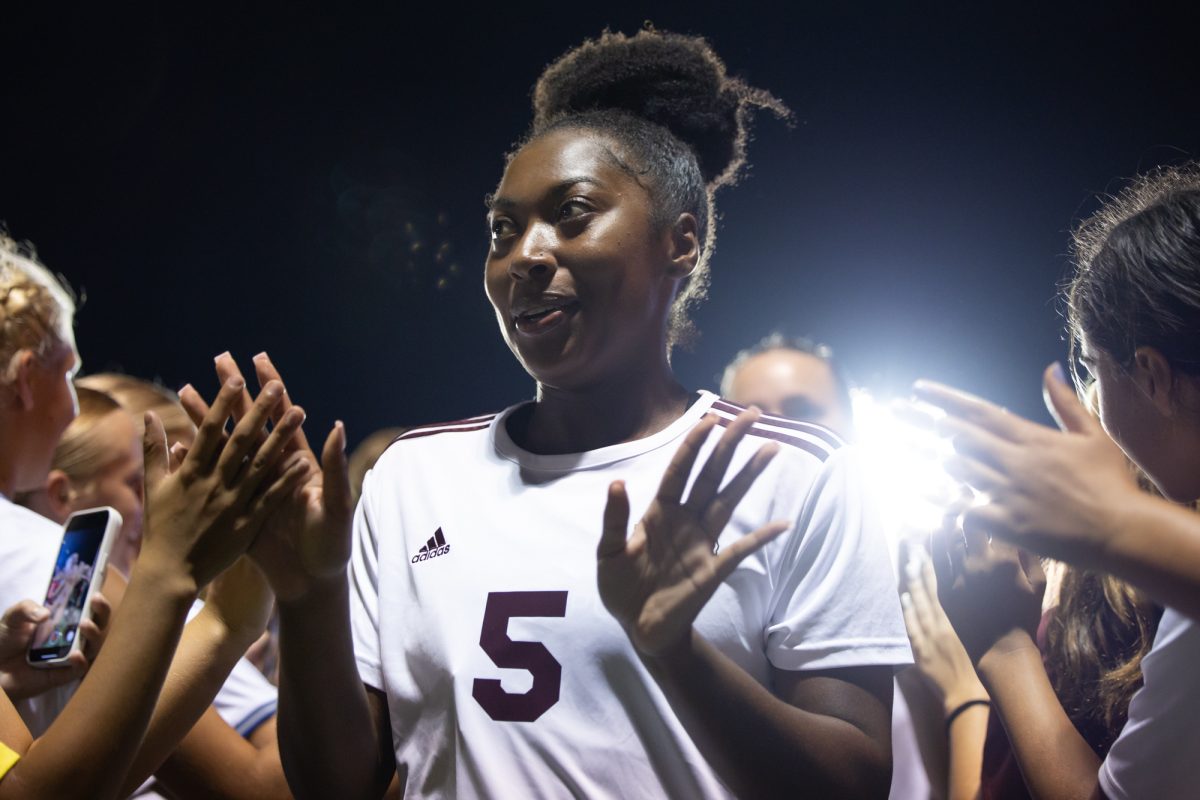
(622, 588)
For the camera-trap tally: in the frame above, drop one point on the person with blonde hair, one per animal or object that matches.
(205, 508)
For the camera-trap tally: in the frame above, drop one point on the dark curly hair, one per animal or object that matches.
(680, 121)
(1137, 281)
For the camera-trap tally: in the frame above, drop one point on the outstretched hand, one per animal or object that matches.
(656, 581)
(1055, 493)
(307, 540)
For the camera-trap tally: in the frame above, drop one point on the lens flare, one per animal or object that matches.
(904, 460)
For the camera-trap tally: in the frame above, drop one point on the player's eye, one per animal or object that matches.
(502, 228)
(573, 209)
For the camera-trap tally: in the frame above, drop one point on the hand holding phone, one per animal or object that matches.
(78, 572)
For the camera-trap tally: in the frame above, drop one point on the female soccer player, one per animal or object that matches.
(502, 632)
(1134, 307)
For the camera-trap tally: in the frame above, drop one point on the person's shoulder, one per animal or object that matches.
(804, 440)
(438, 438)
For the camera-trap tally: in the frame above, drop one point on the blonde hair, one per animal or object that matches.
(138, 396)
(36, 308)
(81, 453)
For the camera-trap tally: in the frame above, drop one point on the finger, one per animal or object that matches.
(919, 593)
(720, 510)
(193, 404)
(731, 556)
(101, 611)
(1064, 405)
(248, 432)
(210, 432)
(911, 622)
(338, 499)
(976, 474)
(272, 450)
(976, 442)
(704, 489)
(93, 639)
(24, 613)
(178, 453)
(675, 478)
(154, 450)
(266, 371)
(974, 410)
(283, 487)
(227, 370)
(616, 522)
(75, 666)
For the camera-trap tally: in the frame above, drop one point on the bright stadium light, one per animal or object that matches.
(905, 463)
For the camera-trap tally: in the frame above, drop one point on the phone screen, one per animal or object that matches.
(73, 575)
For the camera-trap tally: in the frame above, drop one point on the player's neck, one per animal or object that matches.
(578, 420)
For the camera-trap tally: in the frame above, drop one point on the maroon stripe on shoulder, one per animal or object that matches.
(417, 433)
(477, 419)
(822, 454)
(819, 431)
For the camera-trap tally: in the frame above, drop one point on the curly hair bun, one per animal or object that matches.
(673, 80)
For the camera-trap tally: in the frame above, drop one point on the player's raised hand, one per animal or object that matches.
(307, 539)
(656, 580)
(203, 514)
(1052, 492)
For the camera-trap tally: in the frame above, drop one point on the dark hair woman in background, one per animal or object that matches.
(1134, 307)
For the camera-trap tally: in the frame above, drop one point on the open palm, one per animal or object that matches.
(656, 581)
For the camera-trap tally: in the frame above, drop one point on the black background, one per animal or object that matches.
(309, 179)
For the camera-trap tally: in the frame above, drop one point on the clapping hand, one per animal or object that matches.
(307, 539)
(656, 581)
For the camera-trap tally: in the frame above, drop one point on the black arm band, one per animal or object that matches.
(956, 713)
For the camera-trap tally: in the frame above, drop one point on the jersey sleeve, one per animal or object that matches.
(1157, 751)
(246, 699)
(836, 603)
(364, 593)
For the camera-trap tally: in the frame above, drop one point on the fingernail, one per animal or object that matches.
(226, 354)
(273, 390)
(187, 387)
(236, 383)
(297, 415)
(906, 600)
(1059, 373)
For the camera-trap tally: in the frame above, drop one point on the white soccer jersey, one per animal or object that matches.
(474, 604)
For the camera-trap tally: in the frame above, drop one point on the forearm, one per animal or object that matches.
(89, 748)
(206, 654)
(760, 745)
(1155, 545)
(327, 737)
(967, 735)
(215, 761)
(1055, 760)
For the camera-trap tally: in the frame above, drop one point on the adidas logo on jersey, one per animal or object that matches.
(436, 546)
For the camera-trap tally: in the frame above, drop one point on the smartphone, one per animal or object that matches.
(78, 573)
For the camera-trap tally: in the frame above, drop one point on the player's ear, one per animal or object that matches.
(683, 246)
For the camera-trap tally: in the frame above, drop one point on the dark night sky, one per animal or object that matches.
(309, 180)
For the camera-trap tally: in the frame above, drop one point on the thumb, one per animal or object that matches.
(616, 522)
(1063, 403)
(24, 613)
(154, 447)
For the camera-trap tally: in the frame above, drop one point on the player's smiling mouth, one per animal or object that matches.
(535, 316)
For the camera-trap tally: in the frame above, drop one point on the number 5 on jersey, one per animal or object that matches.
(533, 657)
